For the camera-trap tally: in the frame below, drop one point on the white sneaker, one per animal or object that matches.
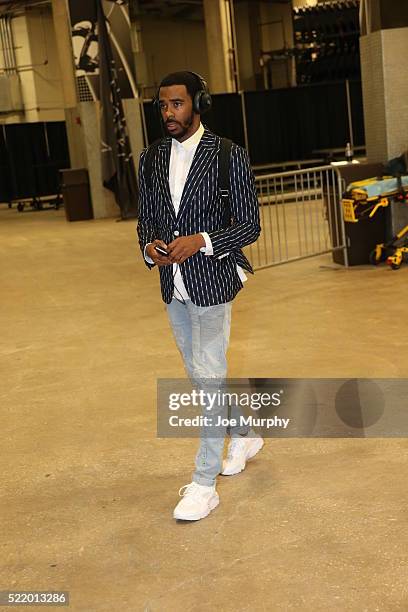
(239, 451)
(198, 501)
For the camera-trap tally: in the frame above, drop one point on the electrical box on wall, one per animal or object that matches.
(10, 93)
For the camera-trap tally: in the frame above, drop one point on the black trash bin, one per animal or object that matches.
(76, 194)
(361, 237)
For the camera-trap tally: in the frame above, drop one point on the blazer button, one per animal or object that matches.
(176, 233)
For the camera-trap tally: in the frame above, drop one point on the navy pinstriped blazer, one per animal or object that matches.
(208, 279)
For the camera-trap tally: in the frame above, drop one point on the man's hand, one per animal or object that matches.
(182, 248)
(159, 260)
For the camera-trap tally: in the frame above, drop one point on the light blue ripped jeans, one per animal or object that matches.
(202, 336)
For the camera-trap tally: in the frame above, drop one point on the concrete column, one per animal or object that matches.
(83, 131)
(384, 52)
(219, 46)
(243, 28)
(103, 200)
(64, 48)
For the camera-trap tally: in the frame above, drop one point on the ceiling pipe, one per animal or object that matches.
(2, 45)
(10, 43)
(6, 49)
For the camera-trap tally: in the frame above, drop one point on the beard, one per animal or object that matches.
(182, 128)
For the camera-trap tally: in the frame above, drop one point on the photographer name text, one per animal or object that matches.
(208, 421)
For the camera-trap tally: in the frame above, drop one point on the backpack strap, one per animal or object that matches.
(223, 172)
(223, 177)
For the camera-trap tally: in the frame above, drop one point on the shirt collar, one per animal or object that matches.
(192, 141)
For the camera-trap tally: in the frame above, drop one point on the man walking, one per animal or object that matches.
(183, 229)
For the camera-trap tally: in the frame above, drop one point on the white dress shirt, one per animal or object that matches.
(181, 158)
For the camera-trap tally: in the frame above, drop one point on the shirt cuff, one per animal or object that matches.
(147, 258)
(208, 248)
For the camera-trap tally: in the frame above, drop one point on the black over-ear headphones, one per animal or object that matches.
(202, 101)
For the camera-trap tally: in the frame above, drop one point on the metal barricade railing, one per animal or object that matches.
(301, 216)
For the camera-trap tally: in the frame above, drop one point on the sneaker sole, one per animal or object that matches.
(212, 504)
(252, 452)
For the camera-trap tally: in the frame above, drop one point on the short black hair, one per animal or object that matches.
(190, 80)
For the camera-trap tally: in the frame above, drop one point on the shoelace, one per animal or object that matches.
(192, 487)
(188, 489)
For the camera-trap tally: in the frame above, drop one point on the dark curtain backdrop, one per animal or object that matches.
(225, 117)
(289, 124)
(33, 153)
(283, 124)
(47, 173)
(26, 145)
(5, 183)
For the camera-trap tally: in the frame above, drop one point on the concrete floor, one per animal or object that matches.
(88, 490)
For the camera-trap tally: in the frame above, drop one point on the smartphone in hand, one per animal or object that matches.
(162, 251)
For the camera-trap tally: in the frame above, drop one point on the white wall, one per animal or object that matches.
(38, 68)
(170, 46)
(47, 78)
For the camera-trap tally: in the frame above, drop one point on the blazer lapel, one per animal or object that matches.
(206, 151)
(164, 150)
